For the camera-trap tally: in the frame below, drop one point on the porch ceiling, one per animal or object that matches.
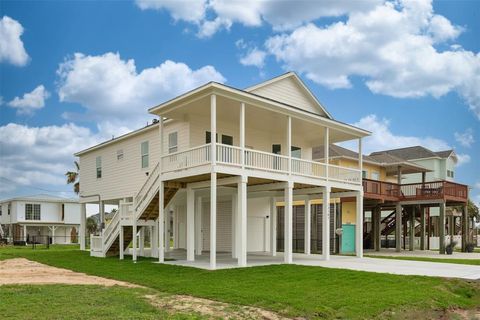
(257, 118)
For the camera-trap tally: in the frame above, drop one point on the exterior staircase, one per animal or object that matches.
(145, 207)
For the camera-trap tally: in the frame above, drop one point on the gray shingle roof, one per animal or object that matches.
(411, 153)
(337, 151)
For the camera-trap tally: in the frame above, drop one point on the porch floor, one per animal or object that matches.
(400, 267)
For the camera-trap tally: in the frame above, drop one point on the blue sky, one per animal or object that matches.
(75, 73)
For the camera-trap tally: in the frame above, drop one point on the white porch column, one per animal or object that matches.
(154, 240)
(213, 220)
(289, 143)
(326, 223)
(308, 226)
(359, 225)
(273, 227)
(242, 134)
(234, 225)
(288, 223)
(360, 157)
(190, 224)
(198, 226)
(161, 216)
(120, 243)
(83, 225)
(141, 241)
(326, 150)
(53, 234)
(175, 229)
(213, 129)
(242, 228)
(134, 239)
(101, 207)
(25, 233)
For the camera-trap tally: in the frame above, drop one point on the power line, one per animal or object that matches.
(31, 187)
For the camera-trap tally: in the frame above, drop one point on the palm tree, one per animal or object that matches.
(91, 225)
(72, 177)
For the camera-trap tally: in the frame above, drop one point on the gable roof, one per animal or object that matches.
(298, 91)
(42, 198)
(414, 153)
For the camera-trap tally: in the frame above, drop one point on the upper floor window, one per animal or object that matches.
(173, 142)
(208, 137)
(375, 175)
(120, 154)
(32, 211)
(364, 174)
(144, 154)
(0, 210)
(9, 208)
(450, 173)
(296, 152)
(98, 162)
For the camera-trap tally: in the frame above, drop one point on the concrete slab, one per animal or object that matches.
(400, 267)
(424, 254)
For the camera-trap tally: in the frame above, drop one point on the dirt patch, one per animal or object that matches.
(209, 308)
(23, 271)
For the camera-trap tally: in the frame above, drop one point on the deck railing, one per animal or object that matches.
(257, 160)
(415, 191)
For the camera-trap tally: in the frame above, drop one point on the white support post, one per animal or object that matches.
(167, 229)
(141, 242)
(175, 229)
(190, 224)
(134, 238)
(160, 133)
(213, 129)
(242, 134)
(154, 253)
(25, 233)
(120, 244)
(53, 234)
(242, 213)
(83, 225)
(161, 216)
(326, 150)
(308, 226)
(234, 225)
(198, 226)
(288, 223)
(289, 144)
(359, 225)
(101, 207)
(273, 227)
(213, 220)
(326, 223)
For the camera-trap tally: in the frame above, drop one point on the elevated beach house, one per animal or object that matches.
(218, 174)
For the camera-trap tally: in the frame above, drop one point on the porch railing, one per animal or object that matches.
(257, 160)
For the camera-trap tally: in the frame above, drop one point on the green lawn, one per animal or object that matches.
(475, 262)
(78, 302)
(311, 292)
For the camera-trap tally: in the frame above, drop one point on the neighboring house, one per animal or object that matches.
(441, 165)
(39, 218)
(249, 151)
(399, 178)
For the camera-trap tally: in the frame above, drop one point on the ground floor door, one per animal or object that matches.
(348, 238)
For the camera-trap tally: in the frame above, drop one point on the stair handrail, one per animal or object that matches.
(111, 228)
(145, 188)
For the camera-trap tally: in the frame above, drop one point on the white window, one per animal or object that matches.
(98, 162)
(375, 175)
(364, 174)
(172, 142)
(120, 154)
(450, 173)
(144, 154)
(32, 211)
(9, 209)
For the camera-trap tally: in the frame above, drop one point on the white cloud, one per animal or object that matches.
(462, 159)
(31, 101)
(212, 15)
(39, 156)
(392, 48)
(466, 138)
(116, 95)
(383, 138)
(11, 46)
(254, 57)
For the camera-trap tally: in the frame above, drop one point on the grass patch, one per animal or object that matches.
(79, 302)
(311, 292)
(474, 262)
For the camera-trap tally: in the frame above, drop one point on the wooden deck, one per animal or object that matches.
(393, 192)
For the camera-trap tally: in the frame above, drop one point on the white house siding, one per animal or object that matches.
(49, 212)
(123, 178)
(72, 213)
(254, 138)
(288, 92)
(224, 226)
